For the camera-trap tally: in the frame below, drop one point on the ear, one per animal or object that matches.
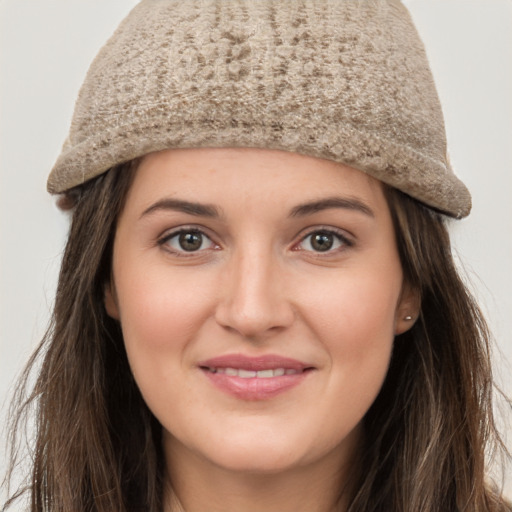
(110, 299)
(408, 309)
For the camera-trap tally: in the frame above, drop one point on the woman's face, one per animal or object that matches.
(259, 293)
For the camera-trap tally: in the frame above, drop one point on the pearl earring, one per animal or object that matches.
(408, 318)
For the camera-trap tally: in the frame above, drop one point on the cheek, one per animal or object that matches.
(358, 307)
(158, 309)
(353, 317)
(365, 320)
(160, 314)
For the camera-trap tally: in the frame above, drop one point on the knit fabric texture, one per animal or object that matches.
(345, 80)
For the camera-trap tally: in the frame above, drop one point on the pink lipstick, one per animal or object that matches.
(255, 378)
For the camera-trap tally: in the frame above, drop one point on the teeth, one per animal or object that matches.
(251, 374)
(265, 374)
(246, 374)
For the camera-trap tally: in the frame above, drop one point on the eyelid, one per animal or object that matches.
(173, 232)
(346, 240)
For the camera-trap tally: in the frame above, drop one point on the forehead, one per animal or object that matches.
(221, 175)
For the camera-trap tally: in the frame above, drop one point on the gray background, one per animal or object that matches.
(46, 47)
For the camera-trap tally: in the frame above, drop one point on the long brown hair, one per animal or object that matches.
(430, 426)
(97, 445)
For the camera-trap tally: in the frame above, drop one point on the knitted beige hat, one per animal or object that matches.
(346, 80)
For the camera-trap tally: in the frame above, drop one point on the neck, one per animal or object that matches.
(196, 486)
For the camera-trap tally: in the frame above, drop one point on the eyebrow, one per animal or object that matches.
(178, 205)
(347, 203)
(301, 210)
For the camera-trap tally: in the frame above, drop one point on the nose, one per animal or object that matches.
(253, 301)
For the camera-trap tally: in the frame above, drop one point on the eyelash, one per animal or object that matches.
(185, 231)
(341, 238)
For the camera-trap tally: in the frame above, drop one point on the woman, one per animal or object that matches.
(257, 308)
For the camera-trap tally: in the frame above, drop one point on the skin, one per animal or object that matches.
(258, 285)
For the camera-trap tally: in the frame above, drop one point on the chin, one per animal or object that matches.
(267, 450)
(256, 459)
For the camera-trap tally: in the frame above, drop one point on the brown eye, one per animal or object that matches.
(190, 241)
(324, 241)
(187, 240)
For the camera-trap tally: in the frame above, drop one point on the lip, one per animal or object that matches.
(255, 388)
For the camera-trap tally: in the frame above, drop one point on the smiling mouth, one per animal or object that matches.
(255, 378)
(253, 374)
